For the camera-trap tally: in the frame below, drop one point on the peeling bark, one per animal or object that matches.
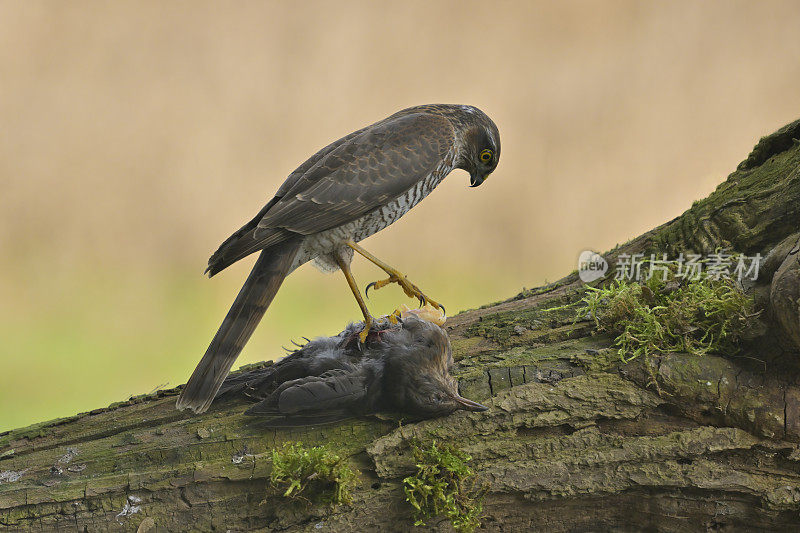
(574, 439)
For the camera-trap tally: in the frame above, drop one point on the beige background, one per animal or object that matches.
(135, 136)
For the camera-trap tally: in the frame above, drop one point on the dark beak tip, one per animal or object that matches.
(469, 405)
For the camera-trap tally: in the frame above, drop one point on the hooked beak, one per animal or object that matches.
(469, 405)
(475, 180)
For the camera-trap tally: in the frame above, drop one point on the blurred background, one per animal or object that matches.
(136, 136)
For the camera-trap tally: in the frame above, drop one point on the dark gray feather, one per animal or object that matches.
(244, 315)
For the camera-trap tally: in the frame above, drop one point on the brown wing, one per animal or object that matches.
(243, 242)
(360, 175)
(343, 181)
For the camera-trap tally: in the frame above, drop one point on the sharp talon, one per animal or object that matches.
(369, 286)
(444, 312)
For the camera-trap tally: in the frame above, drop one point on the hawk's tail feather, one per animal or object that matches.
(245, 241)
(241, 244)
(250, 305)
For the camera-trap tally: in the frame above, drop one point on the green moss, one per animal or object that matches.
(463, 346)
(695, 316)
(526, 326)
(314, 474)
(746, 210)
(444, 484)
(41, 429)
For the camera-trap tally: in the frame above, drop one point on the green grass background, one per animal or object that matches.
(85, 340)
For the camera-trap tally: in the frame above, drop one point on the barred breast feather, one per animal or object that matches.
(321, 246)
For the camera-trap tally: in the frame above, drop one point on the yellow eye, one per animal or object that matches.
(486, 156)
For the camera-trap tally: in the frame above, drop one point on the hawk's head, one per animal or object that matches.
(481, 148)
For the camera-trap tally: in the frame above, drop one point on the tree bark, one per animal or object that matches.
(574, 440)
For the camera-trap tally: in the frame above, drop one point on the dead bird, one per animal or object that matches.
(402, 368)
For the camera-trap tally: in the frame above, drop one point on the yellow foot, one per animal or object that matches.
(397, 314)
(411, 290)
(362, 337)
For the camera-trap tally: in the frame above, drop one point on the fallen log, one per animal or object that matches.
(575, 438)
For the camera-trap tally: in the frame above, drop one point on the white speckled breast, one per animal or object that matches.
(321, 246)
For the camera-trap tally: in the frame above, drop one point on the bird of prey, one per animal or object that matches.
(403, 368)
(347, 191)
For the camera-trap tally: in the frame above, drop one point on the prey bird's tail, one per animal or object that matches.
(257, 293)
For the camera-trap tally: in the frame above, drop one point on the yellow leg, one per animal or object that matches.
(395, 276)
(345, 267)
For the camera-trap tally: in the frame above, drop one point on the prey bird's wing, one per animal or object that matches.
(361, 174)
(314, 359)
(332, 392)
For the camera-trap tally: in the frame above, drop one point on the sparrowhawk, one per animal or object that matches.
(347, 191)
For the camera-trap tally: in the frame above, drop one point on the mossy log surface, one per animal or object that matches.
(574, 439)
